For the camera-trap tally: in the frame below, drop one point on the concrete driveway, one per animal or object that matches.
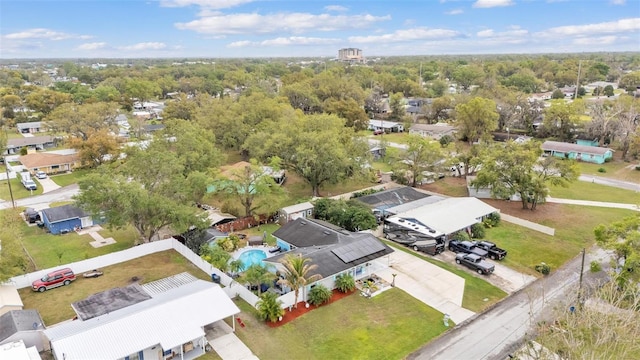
(428, 283)
(47, 184)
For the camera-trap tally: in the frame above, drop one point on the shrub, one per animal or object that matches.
(24, 151)
(345, 283)
(638, 167)
(493, 219)
(460, 235)
(319, 295)
(602, 170)
(477, 231)
(446, 140)
(543, 268)
(269, 307)
(595, 266)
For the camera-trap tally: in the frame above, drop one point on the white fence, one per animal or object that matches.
(232, 288)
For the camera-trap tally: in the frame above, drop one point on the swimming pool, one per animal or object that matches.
(251, 257)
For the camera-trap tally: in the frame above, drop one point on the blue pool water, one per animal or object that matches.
(251, 257)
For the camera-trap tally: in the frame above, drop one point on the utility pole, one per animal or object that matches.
(580, 281)
(575, 96)
(6, 168)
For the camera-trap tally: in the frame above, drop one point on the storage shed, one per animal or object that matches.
(64, 219)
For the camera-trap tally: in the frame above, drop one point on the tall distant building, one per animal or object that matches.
(352, 55)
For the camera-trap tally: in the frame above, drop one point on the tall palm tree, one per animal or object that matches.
(256, 275)
(297, 274)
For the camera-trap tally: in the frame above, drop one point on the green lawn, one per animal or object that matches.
(19, 192)
(398, 138)
(260, 230)
(49, 250)
(619, 170)
(388, 326)
(581, 190)
(574, 231)
(55, 305)
(70, 178)
(299, 190)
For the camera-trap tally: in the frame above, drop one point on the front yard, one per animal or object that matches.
(582, 190)
(388, 326)
(55, 305)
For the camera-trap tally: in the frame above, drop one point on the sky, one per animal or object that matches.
(313, 28)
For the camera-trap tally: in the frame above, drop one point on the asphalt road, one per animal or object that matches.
(498, 332)
(610, 182)
(62, 194)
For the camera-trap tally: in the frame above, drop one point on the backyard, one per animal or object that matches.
(54, 305)
(387, 326)
(49, 250)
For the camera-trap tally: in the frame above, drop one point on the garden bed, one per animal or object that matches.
(294, 313)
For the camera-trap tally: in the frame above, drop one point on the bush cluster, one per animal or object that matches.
(543, 268)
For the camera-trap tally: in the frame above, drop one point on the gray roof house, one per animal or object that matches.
(35, 142)
(383, 200)
(25, 325)
(333, 249)
(31, 127)
(65, 218)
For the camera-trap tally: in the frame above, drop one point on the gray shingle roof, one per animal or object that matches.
(62, 213)
(29, 141)
(14, 321)
(331, 248)
(567, 147)
(109, 301)
(392, 197)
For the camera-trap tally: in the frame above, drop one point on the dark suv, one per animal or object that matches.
(53, 280)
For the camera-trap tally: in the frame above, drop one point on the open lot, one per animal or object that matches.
(55, 305)
(49, 250)
(582, 190)
(617, 169)
(388, 326)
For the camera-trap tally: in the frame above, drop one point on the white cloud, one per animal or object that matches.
(337, 8)
(601, 40)
(617, 2)
(454, 12)
(514, 31)
(611, 27)
(492, 3)
(144, 46)
(92, 46)
(252, 23)
(287, 41)
(209, 4)
(407, 35)
(41, 33)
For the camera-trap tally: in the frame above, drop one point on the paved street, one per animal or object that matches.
(500, 331)
(610, 182)
(62, 194)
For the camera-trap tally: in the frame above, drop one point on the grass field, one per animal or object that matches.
(70, 178)
(476, 290)
(55, 305)
(388, 326)
(616, 170)
(19, 192)
(49, 250)
(582, 190)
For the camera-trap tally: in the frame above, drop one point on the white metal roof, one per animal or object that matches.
(169, 319)
(9, 296)
(399, 209)
(297, 207)
(159, 286)
(449, 215)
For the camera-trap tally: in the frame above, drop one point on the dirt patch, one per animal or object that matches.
(543, 212)
(301, 310)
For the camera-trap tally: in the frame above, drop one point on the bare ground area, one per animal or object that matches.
(542, 214)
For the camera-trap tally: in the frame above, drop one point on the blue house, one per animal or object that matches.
(64, 219)
(587, 142)
(592, 154)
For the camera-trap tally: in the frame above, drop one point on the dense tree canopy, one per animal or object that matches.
(476, 119)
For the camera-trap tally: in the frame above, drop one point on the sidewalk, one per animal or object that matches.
(594, 203)
(528, 224)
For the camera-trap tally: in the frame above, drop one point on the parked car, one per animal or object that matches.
(495, 253)
(54, 279)
(41, 175)
(431, 246)
(31, 215)
(378, 132)
(400, 237)
(467, 247)
(476, 263)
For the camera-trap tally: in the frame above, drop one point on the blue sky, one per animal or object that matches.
(284, 28)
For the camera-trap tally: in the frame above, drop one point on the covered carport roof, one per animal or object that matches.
(168, 319)
(449, 215)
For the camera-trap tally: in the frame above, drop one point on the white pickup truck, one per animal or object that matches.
(27, 181)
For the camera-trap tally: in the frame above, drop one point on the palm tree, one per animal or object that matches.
(297, 274)
(257, 274)
(269, 307)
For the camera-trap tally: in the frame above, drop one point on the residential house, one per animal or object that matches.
(485, 191)
(289, 213)
(376, 152)
(386, 126)
(587, 142)
(334, 250)
(64, 219)
(592, 154)
(50, 163)
(9, 299)
(169, 324)
(444, 217)
(381, 201)
(434, 131)
(25, 325)
(31, 143)
(31, 127)
(17, 350)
